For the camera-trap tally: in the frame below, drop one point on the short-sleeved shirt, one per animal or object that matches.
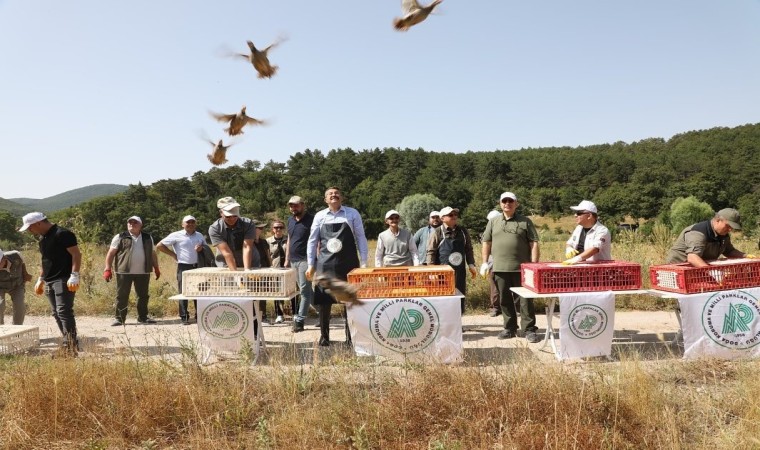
(183, 245)
(218, 232)
(510, 241)
(298, 236)
(701, 240)
(597, 236)
(56, 259)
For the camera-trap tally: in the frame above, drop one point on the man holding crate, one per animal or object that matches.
(708, 240)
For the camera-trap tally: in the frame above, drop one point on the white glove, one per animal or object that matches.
(39, 286)
(484, 269)
(573, 260)
(363, 266)
(716, 275)
(570, 252)
(73, 283)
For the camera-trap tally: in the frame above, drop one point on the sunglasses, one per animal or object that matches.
(278, 228)
(394, 218)
(132, 222)
(508, 200)
(580, 213)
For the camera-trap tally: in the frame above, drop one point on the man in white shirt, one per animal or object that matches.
(184, 246)
(590, 240)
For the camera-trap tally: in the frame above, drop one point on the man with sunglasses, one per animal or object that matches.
(395, 246)
(299, 226)
(512, 239)
(277, 243)
(184, 246)
(132, 252)
(451, 244)
(590, 240)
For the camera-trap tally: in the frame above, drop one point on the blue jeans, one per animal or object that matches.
(307, 292)
(62, 307)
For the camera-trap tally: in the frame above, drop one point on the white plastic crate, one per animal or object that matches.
(15, 339)
(270, 283)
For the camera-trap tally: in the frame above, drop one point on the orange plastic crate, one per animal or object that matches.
(721, 275)
(404, 281)
(547, 278)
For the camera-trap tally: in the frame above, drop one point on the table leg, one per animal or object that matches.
(549, 336)
(260, 342)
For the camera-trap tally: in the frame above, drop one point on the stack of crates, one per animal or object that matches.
(16, 339)
(403, 281)
(720, 275)
(553, 277)
(271, 282)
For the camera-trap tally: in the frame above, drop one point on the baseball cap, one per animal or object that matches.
(585, 205)
(731, 216)
(188, 217)
(228, 206)
(507, 195)
(261, 224)
(493, 214)
(448, 210)
(435, 213)
(390, 213)
(31, 219)
(295, 200)
(137, 218)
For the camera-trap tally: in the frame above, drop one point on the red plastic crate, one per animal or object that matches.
(547, 278)
(721, 275)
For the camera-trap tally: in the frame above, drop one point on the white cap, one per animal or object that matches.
(390, 213)
(188, 217)
(448, 210)
(585, 205)
(507, 195)
(435, 214)
(295, 200)
(31, 219)
(492, 214)
(137, 218)
(228, 206)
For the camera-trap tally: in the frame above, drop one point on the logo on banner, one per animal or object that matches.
(730, 319)
(404, 325)
(587, 321)
(225, 320)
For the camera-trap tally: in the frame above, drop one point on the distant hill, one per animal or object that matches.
(19, 206)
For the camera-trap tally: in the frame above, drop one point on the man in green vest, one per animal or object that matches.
(133, 253)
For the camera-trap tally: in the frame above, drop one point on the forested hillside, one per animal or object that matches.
(718, 166)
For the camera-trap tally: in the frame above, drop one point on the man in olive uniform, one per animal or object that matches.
(707, 240)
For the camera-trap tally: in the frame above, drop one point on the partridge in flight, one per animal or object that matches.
(342, 291)
(259, 60)
(413, 14)
(218, 155)
(237, 121)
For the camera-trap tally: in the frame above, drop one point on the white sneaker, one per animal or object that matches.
(278, 319)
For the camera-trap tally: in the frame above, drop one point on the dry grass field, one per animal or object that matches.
(341, 401)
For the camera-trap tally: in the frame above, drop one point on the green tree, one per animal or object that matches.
(415, 210)
(686, 211)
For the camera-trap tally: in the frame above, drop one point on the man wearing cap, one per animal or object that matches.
(232, 236)
(707, 240)
(512, 239)
(395, 246)
(590, 240)
(135, 260)
(13, 275)
(59, 275)
(299, 227)
(422, 235)
(451, 244)
(277, 243)
(184, 246)
(336, 235)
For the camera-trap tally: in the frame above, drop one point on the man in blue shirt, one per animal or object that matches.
(423, 234)
(339, 231)
(299, 226)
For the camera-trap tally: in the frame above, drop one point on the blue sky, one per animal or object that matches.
(117, 92)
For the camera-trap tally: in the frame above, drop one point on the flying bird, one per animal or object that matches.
(342, 291)
(413, 14)
(237, 121)
(259, 60)
(218, 155)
